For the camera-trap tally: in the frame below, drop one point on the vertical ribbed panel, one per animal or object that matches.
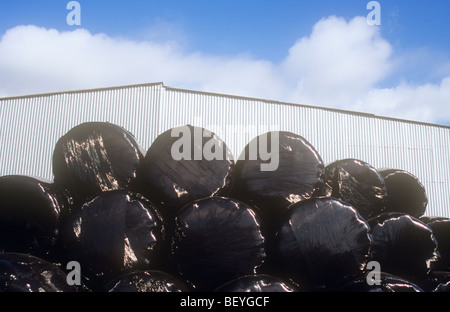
(30, 127)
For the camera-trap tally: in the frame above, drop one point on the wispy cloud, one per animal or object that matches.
(339, 64)
(425, 102)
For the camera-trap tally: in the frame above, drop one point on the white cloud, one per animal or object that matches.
(340, 64)
(427, 102)
(35, 60)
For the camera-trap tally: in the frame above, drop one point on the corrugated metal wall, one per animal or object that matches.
(30, 127)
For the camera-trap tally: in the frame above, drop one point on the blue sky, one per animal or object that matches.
(271, 49)
(264, 28)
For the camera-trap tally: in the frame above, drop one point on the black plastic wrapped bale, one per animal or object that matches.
(25, 273)
(275, 170)
(443, 287)
(216, 240)
(184, 164)
(406, 194)
(441, 231)
(322, 243)
(385, 283)
(29, 216)
(114, 233)
(94, 157)
(404, 246)
(147, 281)
(357, 183)
(441, 281)
(257, 283)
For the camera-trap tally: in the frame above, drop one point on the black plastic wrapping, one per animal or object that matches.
(298, 176)
(25, 273)
(357, 183)
(441, 231)
(257, 283)
(94, 157)
(386, 283)
(443, 287)
(216, 240)
(440, 281)
(29, 216)
(114, 233)
(147, 281)
(406, 194)
(322, 243)
(404, 246)
(174, 182)
(156, 223)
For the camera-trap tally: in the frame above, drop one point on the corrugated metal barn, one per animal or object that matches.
(31, 125)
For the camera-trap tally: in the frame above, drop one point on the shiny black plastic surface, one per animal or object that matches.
(216, 240)
(277, 220)
(441, 231)
(25, 273)
(257, 283)
(147, 281)
(440, 281)
(404, 246)
(173, 181)
(406, 194)
(94, 157)
(29, 216)
(322, 242)
(386, 283)
(357, 183)
(298, 176)
(114, 233)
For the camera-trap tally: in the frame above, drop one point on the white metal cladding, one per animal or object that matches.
(31, 125)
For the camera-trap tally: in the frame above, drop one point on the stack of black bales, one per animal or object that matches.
(186, 216)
